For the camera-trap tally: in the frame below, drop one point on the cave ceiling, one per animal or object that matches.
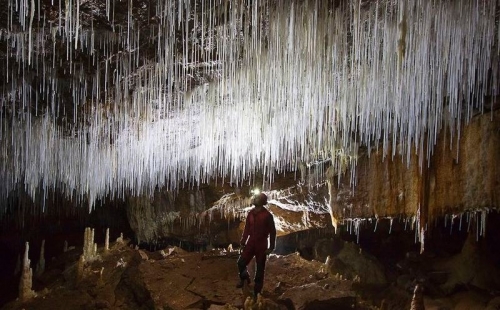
(99, 97)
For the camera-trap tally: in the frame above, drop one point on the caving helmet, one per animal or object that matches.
(259, 199)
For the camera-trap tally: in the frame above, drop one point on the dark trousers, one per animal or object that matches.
(259, 252)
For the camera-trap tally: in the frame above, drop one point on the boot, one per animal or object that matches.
(241, 283)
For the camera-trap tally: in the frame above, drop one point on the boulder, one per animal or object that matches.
(348, 260)
(474, 266)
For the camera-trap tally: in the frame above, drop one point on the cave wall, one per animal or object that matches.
(215, 213)
(459, 176)
(166, 214)
(468, 176)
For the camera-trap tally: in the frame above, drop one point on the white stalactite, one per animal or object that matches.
(293, 83)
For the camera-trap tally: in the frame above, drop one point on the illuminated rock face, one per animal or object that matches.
(215, 214)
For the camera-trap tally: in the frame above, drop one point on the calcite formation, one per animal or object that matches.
(25, 291)
(417, 302)
(89, 247)
(106, 241)
(40, 267)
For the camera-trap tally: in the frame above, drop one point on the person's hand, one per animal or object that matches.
(269, 251)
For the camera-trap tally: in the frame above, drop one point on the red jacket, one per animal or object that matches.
(258, 226)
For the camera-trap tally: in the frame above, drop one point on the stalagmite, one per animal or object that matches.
(120, 239)
(26, 281)
(80, 269)
(40, 267)
(65, 248)
(417, 302)
(106, 241)
(101, 279)
(89, 247)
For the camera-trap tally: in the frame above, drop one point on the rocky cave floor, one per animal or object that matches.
(128, 278)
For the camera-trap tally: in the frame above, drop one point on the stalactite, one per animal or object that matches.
(282, 83)
(422, 240)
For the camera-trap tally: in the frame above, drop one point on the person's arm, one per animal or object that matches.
(272, 232)
(246, 231)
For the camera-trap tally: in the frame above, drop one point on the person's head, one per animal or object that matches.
(259, 200)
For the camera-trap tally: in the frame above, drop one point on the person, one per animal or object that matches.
(259, 226)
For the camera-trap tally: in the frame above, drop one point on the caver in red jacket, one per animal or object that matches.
(258, 227)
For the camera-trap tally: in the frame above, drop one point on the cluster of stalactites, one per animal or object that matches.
(296, 82)
(469, 220)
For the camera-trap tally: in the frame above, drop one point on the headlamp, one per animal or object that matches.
(255, 191)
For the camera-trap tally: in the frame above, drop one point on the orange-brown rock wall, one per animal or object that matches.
(459, 176)
(469, 178)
